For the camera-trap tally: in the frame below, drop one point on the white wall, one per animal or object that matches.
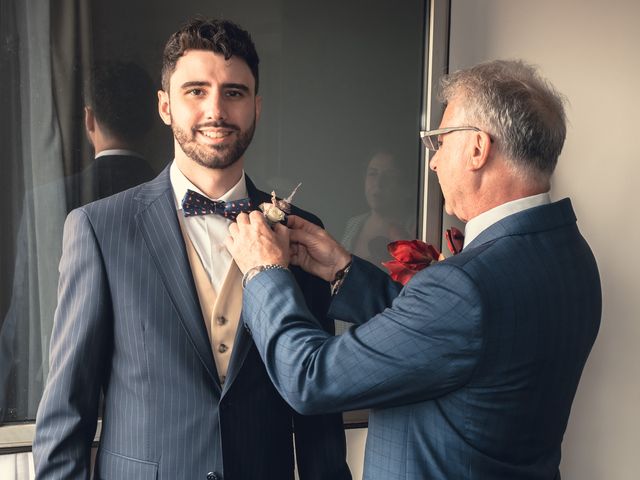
(356, 439)
(590, 51)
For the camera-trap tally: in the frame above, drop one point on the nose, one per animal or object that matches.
(216, 107)
(378, 182)
(433, 162)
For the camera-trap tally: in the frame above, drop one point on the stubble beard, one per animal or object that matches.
(214, 156)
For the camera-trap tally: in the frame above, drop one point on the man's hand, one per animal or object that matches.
(314, 250)
(252, 243)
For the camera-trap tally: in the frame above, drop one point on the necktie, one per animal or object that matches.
(195, 204)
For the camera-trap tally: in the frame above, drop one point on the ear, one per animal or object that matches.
(164, 107)
(481, 148)
(258, 107)
(89, 119)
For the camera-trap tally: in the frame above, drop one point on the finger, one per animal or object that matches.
(256, 217)
(297, 223)
(300, 236)
(281, 231)
(242, 219)
(233, 229)
(297, 254)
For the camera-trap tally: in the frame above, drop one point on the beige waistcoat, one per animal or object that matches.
(221, 312)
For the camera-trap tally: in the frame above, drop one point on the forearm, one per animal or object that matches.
(424, 345)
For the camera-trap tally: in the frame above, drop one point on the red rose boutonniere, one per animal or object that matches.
(411, 256)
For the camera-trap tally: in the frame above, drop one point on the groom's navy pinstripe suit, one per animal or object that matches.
(129, 322)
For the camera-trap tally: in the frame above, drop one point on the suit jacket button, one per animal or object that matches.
(214, 476)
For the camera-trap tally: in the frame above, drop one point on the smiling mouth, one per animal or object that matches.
(215, 133)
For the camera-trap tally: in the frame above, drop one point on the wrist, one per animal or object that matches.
(339, 276)
(341, 265)
(252, 272)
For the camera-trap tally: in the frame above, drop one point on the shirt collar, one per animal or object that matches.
(478, 224)
(118, 151)
(181, 184)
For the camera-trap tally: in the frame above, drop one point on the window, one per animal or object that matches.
(342, 89)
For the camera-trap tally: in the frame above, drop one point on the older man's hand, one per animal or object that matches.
(314, 250)
(253, 243)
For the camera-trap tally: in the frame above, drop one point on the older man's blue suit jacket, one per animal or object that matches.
(129, 323)
(470, 369)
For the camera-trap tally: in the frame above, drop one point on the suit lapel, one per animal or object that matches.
(158, 222)
(243, 340)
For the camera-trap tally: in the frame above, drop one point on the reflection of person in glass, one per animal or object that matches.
(119, 112)
(150, 305)
(368, 234)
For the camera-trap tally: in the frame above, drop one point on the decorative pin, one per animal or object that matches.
(277, 210)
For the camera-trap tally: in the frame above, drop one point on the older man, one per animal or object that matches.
(471, 368)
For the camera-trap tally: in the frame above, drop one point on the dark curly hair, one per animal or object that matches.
(122, 96)
(218, 36)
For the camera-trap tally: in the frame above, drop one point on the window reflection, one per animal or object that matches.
(119, 111)
(390, 215)
(336, 77)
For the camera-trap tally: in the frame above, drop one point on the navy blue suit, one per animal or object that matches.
(470, 369)
(129, 323)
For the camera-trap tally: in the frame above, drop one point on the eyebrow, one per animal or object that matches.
(238, 86)
(196, 83)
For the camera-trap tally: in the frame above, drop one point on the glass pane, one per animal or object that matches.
(341, 85)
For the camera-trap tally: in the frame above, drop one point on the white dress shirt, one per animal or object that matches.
(208, 232)
(478, 224)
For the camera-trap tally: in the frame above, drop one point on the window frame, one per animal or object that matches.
(18, 437)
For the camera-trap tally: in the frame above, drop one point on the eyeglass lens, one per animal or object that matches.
(431, 142)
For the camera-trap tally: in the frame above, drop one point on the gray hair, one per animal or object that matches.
(520, 110)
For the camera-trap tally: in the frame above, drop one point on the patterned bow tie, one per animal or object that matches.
(195, 204)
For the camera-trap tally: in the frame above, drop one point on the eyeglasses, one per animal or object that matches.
(430, 137)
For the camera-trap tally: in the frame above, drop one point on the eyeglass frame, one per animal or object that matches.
(427, 135)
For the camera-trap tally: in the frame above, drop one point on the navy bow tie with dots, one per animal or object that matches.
(195, 204)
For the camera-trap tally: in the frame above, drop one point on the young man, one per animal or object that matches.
(150, 305)
(471, 368)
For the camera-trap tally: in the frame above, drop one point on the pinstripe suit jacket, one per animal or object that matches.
(471, 368)
(128, 322)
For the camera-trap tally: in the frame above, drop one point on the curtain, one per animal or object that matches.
(53, 53)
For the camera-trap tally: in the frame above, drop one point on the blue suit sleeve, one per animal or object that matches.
(373, 288)
(67, 416)
(425, 344)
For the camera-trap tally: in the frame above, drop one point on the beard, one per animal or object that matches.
(214, 156)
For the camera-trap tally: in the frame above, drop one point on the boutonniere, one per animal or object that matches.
(411, 256)
(278, 209)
